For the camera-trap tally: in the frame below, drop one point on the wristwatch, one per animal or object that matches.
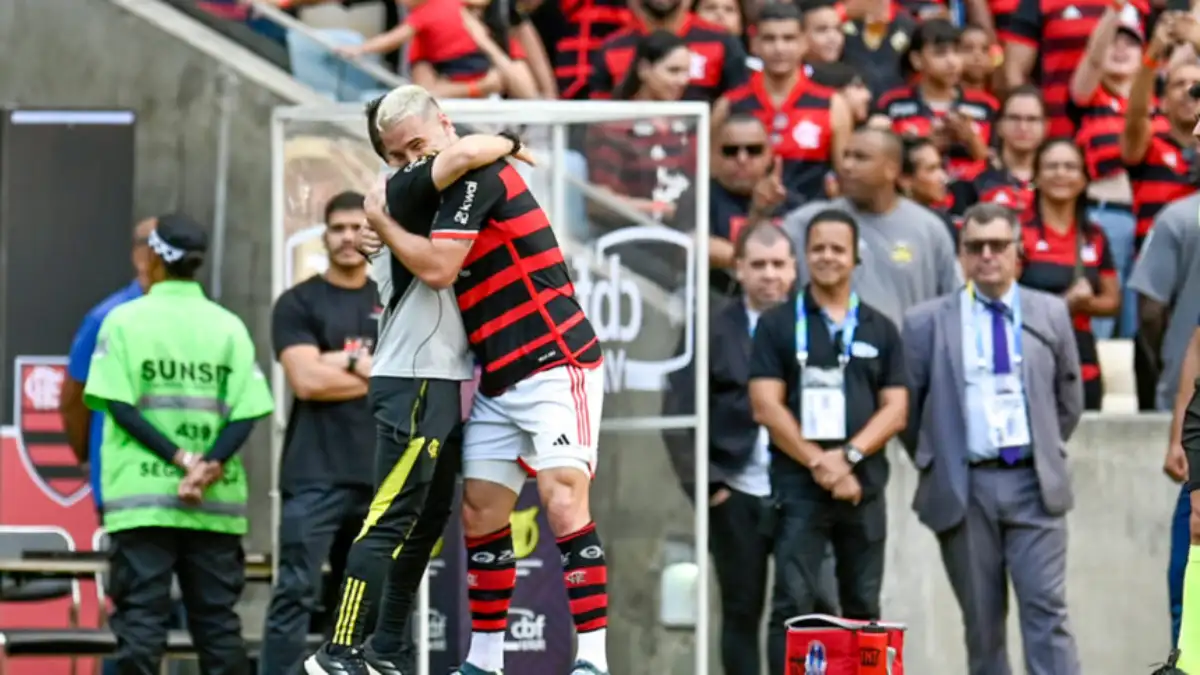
(853, 454)
(516, 141)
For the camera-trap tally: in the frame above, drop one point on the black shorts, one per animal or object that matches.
(1190, 438)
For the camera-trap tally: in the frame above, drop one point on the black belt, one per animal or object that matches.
(996, 463)
(1123, 207)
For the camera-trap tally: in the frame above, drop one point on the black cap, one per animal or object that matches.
(176, 235)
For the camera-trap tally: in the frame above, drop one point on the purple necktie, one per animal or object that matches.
(1001, 364)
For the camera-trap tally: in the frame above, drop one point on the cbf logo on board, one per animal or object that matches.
(613, 298)
(41, 436)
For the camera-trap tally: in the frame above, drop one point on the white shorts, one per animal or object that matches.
(549, 420)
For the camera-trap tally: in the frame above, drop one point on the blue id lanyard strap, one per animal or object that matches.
(1016, 328)
(848, 328)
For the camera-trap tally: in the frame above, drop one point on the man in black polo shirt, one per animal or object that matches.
(828, 383)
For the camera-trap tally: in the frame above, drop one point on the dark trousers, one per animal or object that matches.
(1145, 375)
(418, 454)
(318, 523)
(211, 569)
(740, 547)
(810, 521)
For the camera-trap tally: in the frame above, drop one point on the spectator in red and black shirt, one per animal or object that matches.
(1099, 95)
(1008, 177)
(573, 30)
(1160, 162)
(489, 32)
(980, 56)
(439, 32)
(959, 121)
(809, 124)
(923, 180)
(647, 163)
(1052, 34)
(878, 36)
(716, 64)
(1066, 254)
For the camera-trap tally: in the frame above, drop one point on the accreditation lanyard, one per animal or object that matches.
(849, 326)
(1016, 324)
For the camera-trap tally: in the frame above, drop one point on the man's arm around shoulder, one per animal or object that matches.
(465, 207)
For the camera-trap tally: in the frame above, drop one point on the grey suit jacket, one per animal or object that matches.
(936, 437)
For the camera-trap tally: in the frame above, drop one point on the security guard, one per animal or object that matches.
(175, 376)
(827, 380)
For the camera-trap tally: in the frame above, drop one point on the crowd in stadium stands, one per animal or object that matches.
(1076, 114)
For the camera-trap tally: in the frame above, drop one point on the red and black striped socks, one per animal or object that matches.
(491, 577)
(585, 575)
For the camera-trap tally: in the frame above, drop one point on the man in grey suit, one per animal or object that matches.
(995, 392)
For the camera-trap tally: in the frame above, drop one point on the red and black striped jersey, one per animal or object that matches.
(584, 26)
(1100, 121)
(1049, 264)
(994, 184)
(653, 158)
(801, 130)
(1059, 31)
(516, 297)
(1164, 175)
(912, 115)
(718, 61)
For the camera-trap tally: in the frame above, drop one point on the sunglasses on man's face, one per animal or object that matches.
(752, 150)
(977, 246)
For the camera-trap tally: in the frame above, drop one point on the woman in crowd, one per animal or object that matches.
(648, 163)
(1099, 94)
(1066, 253)
(1008, 178)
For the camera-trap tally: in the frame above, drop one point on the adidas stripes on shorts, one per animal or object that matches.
(549, 420)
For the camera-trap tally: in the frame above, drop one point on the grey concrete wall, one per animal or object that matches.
(133, 54)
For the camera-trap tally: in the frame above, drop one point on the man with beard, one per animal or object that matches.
(907, 253)
(718, 60)
(827, 380)
(323, 330)
(809, 123)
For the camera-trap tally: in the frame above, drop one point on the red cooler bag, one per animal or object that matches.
(818, 644)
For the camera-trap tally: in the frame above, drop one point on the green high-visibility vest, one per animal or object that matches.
(187, 364)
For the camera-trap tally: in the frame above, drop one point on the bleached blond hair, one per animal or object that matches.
(404, 102)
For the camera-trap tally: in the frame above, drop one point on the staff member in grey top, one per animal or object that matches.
(1166, 278)
(994, 394)
(420, 362)
(907, 253)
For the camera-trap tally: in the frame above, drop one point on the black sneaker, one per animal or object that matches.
(378, 665)
(326, 663)
(1169, 668)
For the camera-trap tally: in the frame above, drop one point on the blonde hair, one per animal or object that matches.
(404, 102)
